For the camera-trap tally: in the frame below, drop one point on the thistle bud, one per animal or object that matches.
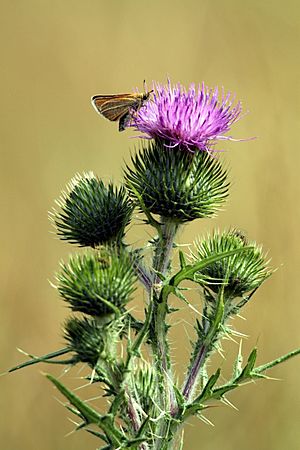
(92, 214)
(176, 184)
(97, 283)
(239, 273)
(85, 338)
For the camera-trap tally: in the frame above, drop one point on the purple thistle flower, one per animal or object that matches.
(193, 119)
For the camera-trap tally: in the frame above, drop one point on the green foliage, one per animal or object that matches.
(91, 213)
(176, 184)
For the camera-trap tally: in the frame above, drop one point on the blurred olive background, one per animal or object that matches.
(55, 55)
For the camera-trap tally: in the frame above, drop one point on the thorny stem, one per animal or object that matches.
(205, 347)
(135, 418)
(277, 361)
(141, 272)
(132, 352)
(159, 329)
(240, 380)
(194, 371)
(163, 250)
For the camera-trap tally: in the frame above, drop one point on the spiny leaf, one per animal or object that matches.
(89, 414)
(182, 259)
(247, 371)
(45, 358)
(208, 387)
(237, 366)
(188, 272)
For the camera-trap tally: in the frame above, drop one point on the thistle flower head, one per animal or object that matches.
(192, 119)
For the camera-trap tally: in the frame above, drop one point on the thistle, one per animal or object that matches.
(189, 186)
(175, 177)
(91, 213)
(97, 283)
(193, 119)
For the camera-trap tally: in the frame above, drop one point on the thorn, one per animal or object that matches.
(239, 334)
(52, 284)
(73, 422)
(64, 371)
(93, 375)
(228, 403)
(81, 387)
(205, 420)
(59, 401)
(240, 347)
(78, 426)
(91, 399)
(25, 353)
(194, 309)
(241, 317)
(221, 353)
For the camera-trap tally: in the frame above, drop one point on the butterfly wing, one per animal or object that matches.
(114, 107)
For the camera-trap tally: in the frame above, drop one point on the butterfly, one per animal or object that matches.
(119, 107)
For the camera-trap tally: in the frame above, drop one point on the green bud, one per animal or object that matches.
(86, 338)
(97, 283)
(145, 381)
(177, 184)
(240, 273)
(92, 214)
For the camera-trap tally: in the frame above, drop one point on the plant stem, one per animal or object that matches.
(194, 371)
(205, 348)
(158, 330)
(141, 272)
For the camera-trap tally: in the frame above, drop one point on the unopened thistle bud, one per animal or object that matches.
(238, 274)
(86, 339)
(92, 214)
(97, 283)
(177, 184)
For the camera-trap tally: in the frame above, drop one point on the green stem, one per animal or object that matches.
(158, 330)
(163, 249)
(141, 272)
(277, 361)
(135, 348)
(124, 394)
